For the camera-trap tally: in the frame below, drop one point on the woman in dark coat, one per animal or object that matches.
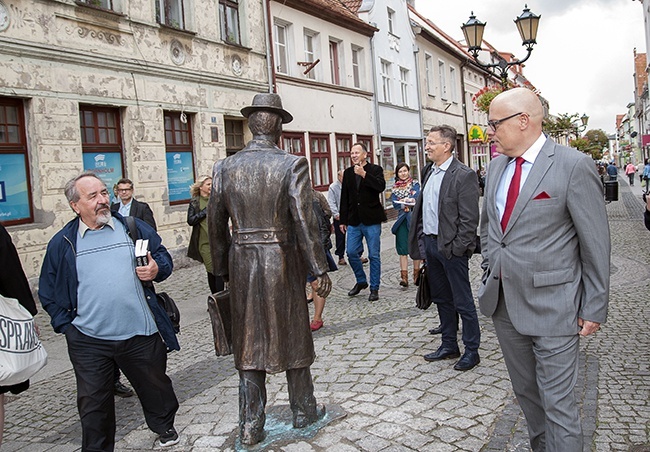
(13, 284)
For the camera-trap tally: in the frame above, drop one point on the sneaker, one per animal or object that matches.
(121, 390)
(169, 438)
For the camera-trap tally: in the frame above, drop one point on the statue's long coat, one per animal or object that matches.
(266, 193)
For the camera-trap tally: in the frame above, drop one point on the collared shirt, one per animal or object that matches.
(431, 196)
(83, 227)
(529, 156)
(125, 209)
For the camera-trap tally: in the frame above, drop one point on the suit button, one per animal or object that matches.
(495, 277)
(503, 245)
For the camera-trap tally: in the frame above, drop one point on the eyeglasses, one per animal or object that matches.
(433, 143)
(124, 190)
(493, 124)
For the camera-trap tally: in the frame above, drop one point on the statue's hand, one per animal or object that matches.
(324, 285)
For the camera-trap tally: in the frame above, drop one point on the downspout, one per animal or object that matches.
(463, 65)
(269, 39)
(376, 97)
(416, 51)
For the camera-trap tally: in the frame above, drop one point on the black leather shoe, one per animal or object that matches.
(436, 330)
(469, 361)
(442, 353)
(121, 390)
(358, 287)
(374, 295)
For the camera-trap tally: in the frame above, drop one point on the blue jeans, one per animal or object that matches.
(355, 235)
(452, 294)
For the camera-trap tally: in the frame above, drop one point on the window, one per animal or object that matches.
(442, 79)
(334, 63)
(356, 66)
(101, 142)
(310, 39)
(320, 160)
(294, 143)
(281, 51)
(103, 4)
(391, 21)
(367, 140)
(343, 146)
(428, 70)
(452, 84)
(229, 16)
(179, 155)
(234, 135)
(171, 13)
(385, 80)
(404, 87)
(15, 190)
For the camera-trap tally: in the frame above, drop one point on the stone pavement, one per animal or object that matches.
(369, 362)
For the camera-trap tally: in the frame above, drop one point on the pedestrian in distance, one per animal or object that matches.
(13, 284)
(199, 247)
(546, 259)
(403, 195)
(106, 323)
(361, 214)
(334, 200)
(630, 171)
(612, 170)
(646, 175)
(443, 232)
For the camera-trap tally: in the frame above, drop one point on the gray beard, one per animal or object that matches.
(103, 218)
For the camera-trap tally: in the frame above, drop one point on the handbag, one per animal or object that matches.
(164, 300)
(21, 351)
(423, 294)
(219, 310)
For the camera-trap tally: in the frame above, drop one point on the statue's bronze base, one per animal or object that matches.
(280, 431)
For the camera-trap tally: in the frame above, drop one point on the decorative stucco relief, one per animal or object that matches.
(106, 36)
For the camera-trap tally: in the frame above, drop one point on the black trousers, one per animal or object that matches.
(143, 360)
(215, 282)
(340, 240)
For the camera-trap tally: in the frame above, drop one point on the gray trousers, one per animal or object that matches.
(543, 371)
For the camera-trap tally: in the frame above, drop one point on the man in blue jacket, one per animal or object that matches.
(106, 323)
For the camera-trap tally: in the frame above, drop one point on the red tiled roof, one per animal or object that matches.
(354, 5)
(334, 10)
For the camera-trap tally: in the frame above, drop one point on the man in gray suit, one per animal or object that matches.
(546, 249)
(443, 231)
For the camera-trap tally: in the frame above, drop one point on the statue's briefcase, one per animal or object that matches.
(219, 309)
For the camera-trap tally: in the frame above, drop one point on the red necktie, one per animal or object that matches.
(513, 193)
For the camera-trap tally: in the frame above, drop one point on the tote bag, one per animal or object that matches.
(21, 351)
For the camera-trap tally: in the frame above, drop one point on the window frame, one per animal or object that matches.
(452, 84)
(18, 148)
(442, 79)
(310, 37)
(233, 136)
(224, 7)
(288, 140)
(281, 29)
(429, 73)
(175, 148)
(386, 68)
(357, 54)
(403, 80)
(317, 155)
(343, 156)
(335, 62)
(162, 16)
(367, 140)
(390, 16)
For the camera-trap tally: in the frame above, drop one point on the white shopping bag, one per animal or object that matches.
(21, 351)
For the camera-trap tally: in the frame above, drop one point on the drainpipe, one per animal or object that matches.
(376, 97)
(463, 65)
(269, 39)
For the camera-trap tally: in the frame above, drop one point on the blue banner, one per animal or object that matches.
(14, 197)
(180, 175)
(107, 166)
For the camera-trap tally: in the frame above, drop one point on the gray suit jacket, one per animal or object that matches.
(553, 258)
(458, 213)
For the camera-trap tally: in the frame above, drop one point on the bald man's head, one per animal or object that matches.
(523, 100)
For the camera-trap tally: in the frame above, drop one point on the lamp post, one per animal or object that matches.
(527, 24)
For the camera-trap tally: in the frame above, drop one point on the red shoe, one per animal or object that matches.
(316, 325)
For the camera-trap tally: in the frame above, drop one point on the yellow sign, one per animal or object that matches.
(476, 134)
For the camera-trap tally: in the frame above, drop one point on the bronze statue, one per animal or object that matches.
(266, 194)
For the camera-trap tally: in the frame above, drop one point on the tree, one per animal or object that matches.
(593, 143)
(562, 125)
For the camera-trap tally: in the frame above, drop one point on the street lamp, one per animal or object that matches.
(527, 24)
(584, 119)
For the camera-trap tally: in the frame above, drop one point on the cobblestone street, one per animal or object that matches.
(369, 363)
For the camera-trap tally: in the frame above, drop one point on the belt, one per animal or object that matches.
(253, 236)
(433, 236)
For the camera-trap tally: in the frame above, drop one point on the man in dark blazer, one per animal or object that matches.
(128, 205)
(443, 231)
(361, 214)
(546, 249)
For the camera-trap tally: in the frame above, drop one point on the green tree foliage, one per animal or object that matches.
(593, 143)
(561, 126)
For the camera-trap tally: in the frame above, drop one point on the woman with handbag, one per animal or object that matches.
(199, 247)
(403, 195)
(13, 284)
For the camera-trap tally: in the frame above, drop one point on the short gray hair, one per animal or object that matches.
(447, 133)
(71, 192)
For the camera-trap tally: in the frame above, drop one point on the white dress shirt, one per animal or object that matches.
(431, 197)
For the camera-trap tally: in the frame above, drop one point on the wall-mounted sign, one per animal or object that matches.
(476, 134)
(14, 198)
(107, 166)
(180, 175)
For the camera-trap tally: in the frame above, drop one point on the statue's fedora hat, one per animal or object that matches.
(268, 102)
